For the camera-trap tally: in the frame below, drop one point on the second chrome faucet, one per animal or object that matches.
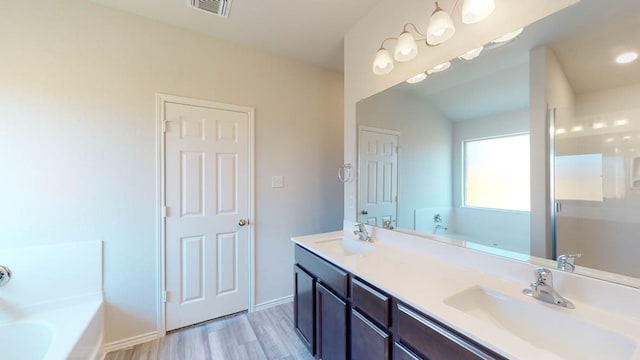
(542, 289)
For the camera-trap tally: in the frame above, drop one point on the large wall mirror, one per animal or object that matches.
(449, 157)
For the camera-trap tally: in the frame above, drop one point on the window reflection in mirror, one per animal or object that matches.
(496, 173)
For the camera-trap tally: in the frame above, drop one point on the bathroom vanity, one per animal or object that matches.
(406, 297)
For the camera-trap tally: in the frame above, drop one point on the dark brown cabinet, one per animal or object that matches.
(371, 301)
(402, 353)
(321, 310)
(331, 329)
(431, 340)
(339, 316)
(370, 322)
(368, 340)
(304, 307)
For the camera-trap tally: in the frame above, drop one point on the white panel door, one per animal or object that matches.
(207, 196)
(378, 176)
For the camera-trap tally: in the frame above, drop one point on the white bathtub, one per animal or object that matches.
(48, 332)
(52, 309)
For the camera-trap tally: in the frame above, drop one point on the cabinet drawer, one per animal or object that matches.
(402, 353)
(371, 301)
(368, 340)
(432, 340)
(327, 273)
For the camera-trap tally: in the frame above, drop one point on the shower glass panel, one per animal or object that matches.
(596, 188)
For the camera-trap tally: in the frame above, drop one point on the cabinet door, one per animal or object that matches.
(367, 340)
(304, 307)
(331, 322)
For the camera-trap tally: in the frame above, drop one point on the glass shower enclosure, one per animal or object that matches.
(595, 192)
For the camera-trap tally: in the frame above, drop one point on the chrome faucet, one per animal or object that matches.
(387, 225)
(5, 275)
(567, 261)
(542, 289)
(437, 219)
(362, 233)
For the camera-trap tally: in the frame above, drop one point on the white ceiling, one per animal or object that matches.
(308, 30)
(587, 56)
(585, 38)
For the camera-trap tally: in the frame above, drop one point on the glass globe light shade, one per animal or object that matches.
(474, 11)
(440, 27)
(382, 63)
(406, 48)
(440, 67)
(417, 78)
(471, 54)
(508, 36)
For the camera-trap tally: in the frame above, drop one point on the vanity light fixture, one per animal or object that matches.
(626, 57)
(417, 78)
(508, 36)
(471, 54)
(439, 30)
(440, 67)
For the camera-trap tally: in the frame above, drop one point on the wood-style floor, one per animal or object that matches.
(261, 335)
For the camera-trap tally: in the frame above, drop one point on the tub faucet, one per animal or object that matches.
(437, 219)
(362, 233)
(542, 289)
(5, 275)
(387, 225)
(567, 261)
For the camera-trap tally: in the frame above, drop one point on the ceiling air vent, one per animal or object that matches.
(216, 7)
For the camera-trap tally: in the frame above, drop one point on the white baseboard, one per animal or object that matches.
(275, 302)
(130, 342)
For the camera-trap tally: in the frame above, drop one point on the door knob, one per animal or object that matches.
(243, 222)
(364, 212)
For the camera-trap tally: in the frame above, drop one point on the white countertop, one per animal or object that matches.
(423, 273)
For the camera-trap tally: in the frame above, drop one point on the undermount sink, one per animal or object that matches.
(344, 246)
(543, 327)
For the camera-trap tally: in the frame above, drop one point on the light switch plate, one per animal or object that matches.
(277, 181)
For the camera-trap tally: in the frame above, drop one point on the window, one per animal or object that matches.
(496, 173)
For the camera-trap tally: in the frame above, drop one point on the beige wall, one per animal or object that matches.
(78, 141)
